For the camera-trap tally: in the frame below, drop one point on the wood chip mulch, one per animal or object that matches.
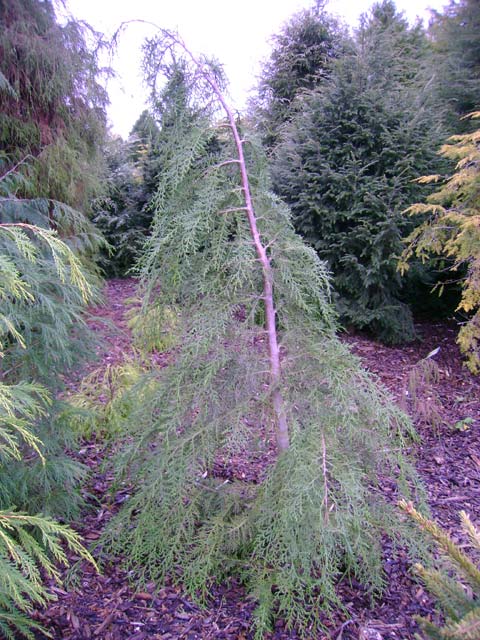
(107, 606)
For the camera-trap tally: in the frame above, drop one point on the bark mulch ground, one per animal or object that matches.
(446, 407)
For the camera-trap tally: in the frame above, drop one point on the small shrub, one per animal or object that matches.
(420, 396)
(154, 328)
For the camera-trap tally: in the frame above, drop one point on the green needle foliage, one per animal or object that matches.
(301, 59)
(46, 281)
(455, 35)
(459, 604)
(121, 213)
(347, 160)
(316, 511)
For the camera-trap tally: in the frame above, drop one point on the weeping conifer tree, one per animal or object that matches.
(257, 374)
(52, 123)
(54, 335)
(31, 545)
(52, 100)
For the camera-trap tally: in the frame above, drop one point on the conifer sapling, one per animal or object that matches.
(256, 362)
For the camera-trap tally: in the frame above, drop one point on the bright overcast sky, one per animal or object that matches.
(236, 33)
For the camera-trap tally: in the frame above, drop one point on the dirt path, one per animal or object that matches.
(105, 607)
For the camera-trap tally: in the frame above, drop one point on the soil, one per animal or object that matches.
(445, 405)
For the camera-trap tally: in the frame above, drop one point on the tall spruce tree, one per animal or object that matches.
(455, 34)
(257, 371)
(346, 164)
(301, 60)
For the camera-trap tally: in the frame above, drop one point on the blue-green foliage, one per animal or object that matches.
(46, 285)
(52, 125)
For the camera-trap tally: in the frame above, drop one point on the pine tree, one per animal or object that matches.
(45, 287)
(224, 254)
(346, 165)
(48, 345)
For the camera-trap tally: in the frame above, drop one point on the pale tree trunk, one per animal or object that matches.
(278, 405)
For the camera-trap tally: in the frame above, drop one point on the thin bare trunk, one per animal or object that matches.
(281, 427)
(278, 404)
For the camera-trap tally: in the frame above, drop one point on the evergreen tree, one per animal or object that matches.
(145, 151)
(52, 104)
(456, 38)
(452, 229)
(256, 354)
(51, 123)
(124, 214)
(30, 546)
(301, 59)
(121, 212)
(46, 311)
(347, 161)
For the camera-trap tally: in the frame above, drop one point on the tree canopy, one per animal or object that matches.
(301, 58)
(455, 33)
(346, 162)
(53, 100)
(224, 258)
